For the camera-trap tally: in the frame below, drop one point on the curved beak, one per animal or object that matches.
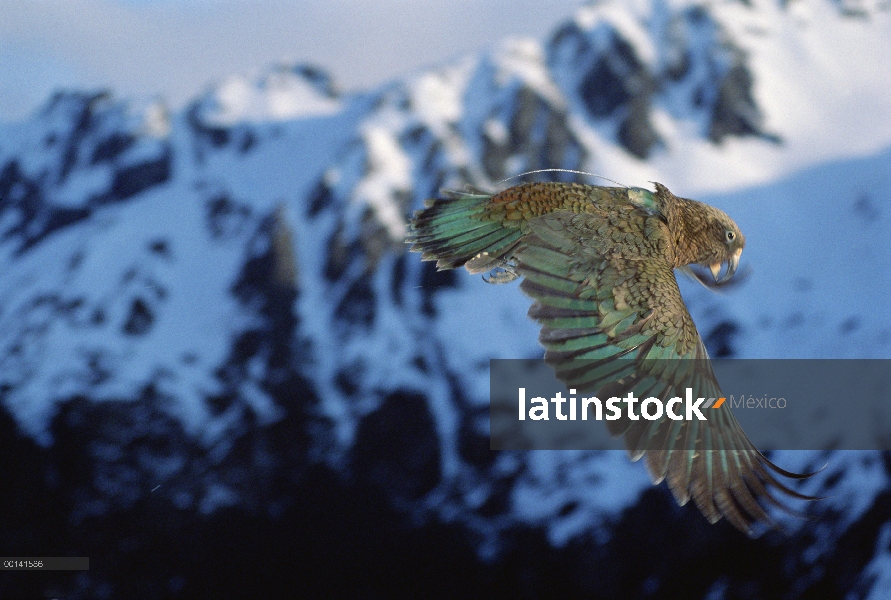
(732, 264)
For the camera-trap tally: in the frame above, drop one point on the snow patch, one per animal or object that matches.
(388, 176)
(629, 19)
(278, 96)
(524, 59)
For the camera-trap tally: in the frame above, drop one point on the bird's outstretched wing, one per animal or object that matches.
(599, 263)
(613, 320)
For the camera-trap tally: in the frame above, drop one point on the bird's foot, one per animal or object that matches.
(504, 273)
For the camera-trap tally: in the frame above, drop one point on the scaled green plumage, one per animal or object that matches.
(599, 263)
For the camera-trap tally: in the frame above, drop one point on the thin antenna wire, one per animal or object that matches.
(563, 171)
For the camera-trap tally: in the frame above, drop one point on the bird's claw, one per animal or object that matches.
(504, 273)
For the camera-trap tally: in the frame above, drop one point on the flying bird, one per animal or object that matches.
(599, 263)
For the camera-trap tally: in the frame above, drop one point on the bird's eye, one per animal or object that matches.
(729, 235)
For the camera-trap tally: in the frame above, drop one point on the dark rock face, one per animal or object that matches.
(320, 79)
(537, 131)
(719, 340)
(119, 486)
(618, 84)
(35, 217)
(702, 70)
(397, 448)
(86, 133)
(132, 179)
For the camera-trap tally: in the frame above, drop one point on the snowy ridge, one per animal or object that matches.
(724, 73)
(278, 94)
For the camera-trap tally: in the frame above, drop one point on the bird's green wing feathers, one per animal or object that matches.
(596, 262)
(613, 320)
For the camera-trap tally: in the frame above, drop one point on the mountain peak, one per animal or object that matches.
(279, 93)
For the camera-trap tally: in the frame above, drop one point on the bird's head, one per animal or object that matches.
(703, 235)
(721, 242)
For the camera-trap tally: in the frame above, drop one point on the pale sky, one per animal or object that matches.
(175, 48)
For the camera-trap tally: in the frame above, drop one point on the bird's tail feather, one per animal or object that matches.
(457, 230)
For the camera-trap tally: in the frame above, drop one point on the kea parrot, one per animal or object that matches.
(599, 263)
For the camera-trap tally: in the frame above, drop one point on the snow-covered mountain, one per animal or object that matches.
(214, 343)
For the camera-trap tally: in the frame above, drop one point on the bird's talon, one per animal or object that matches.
(502, 274)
